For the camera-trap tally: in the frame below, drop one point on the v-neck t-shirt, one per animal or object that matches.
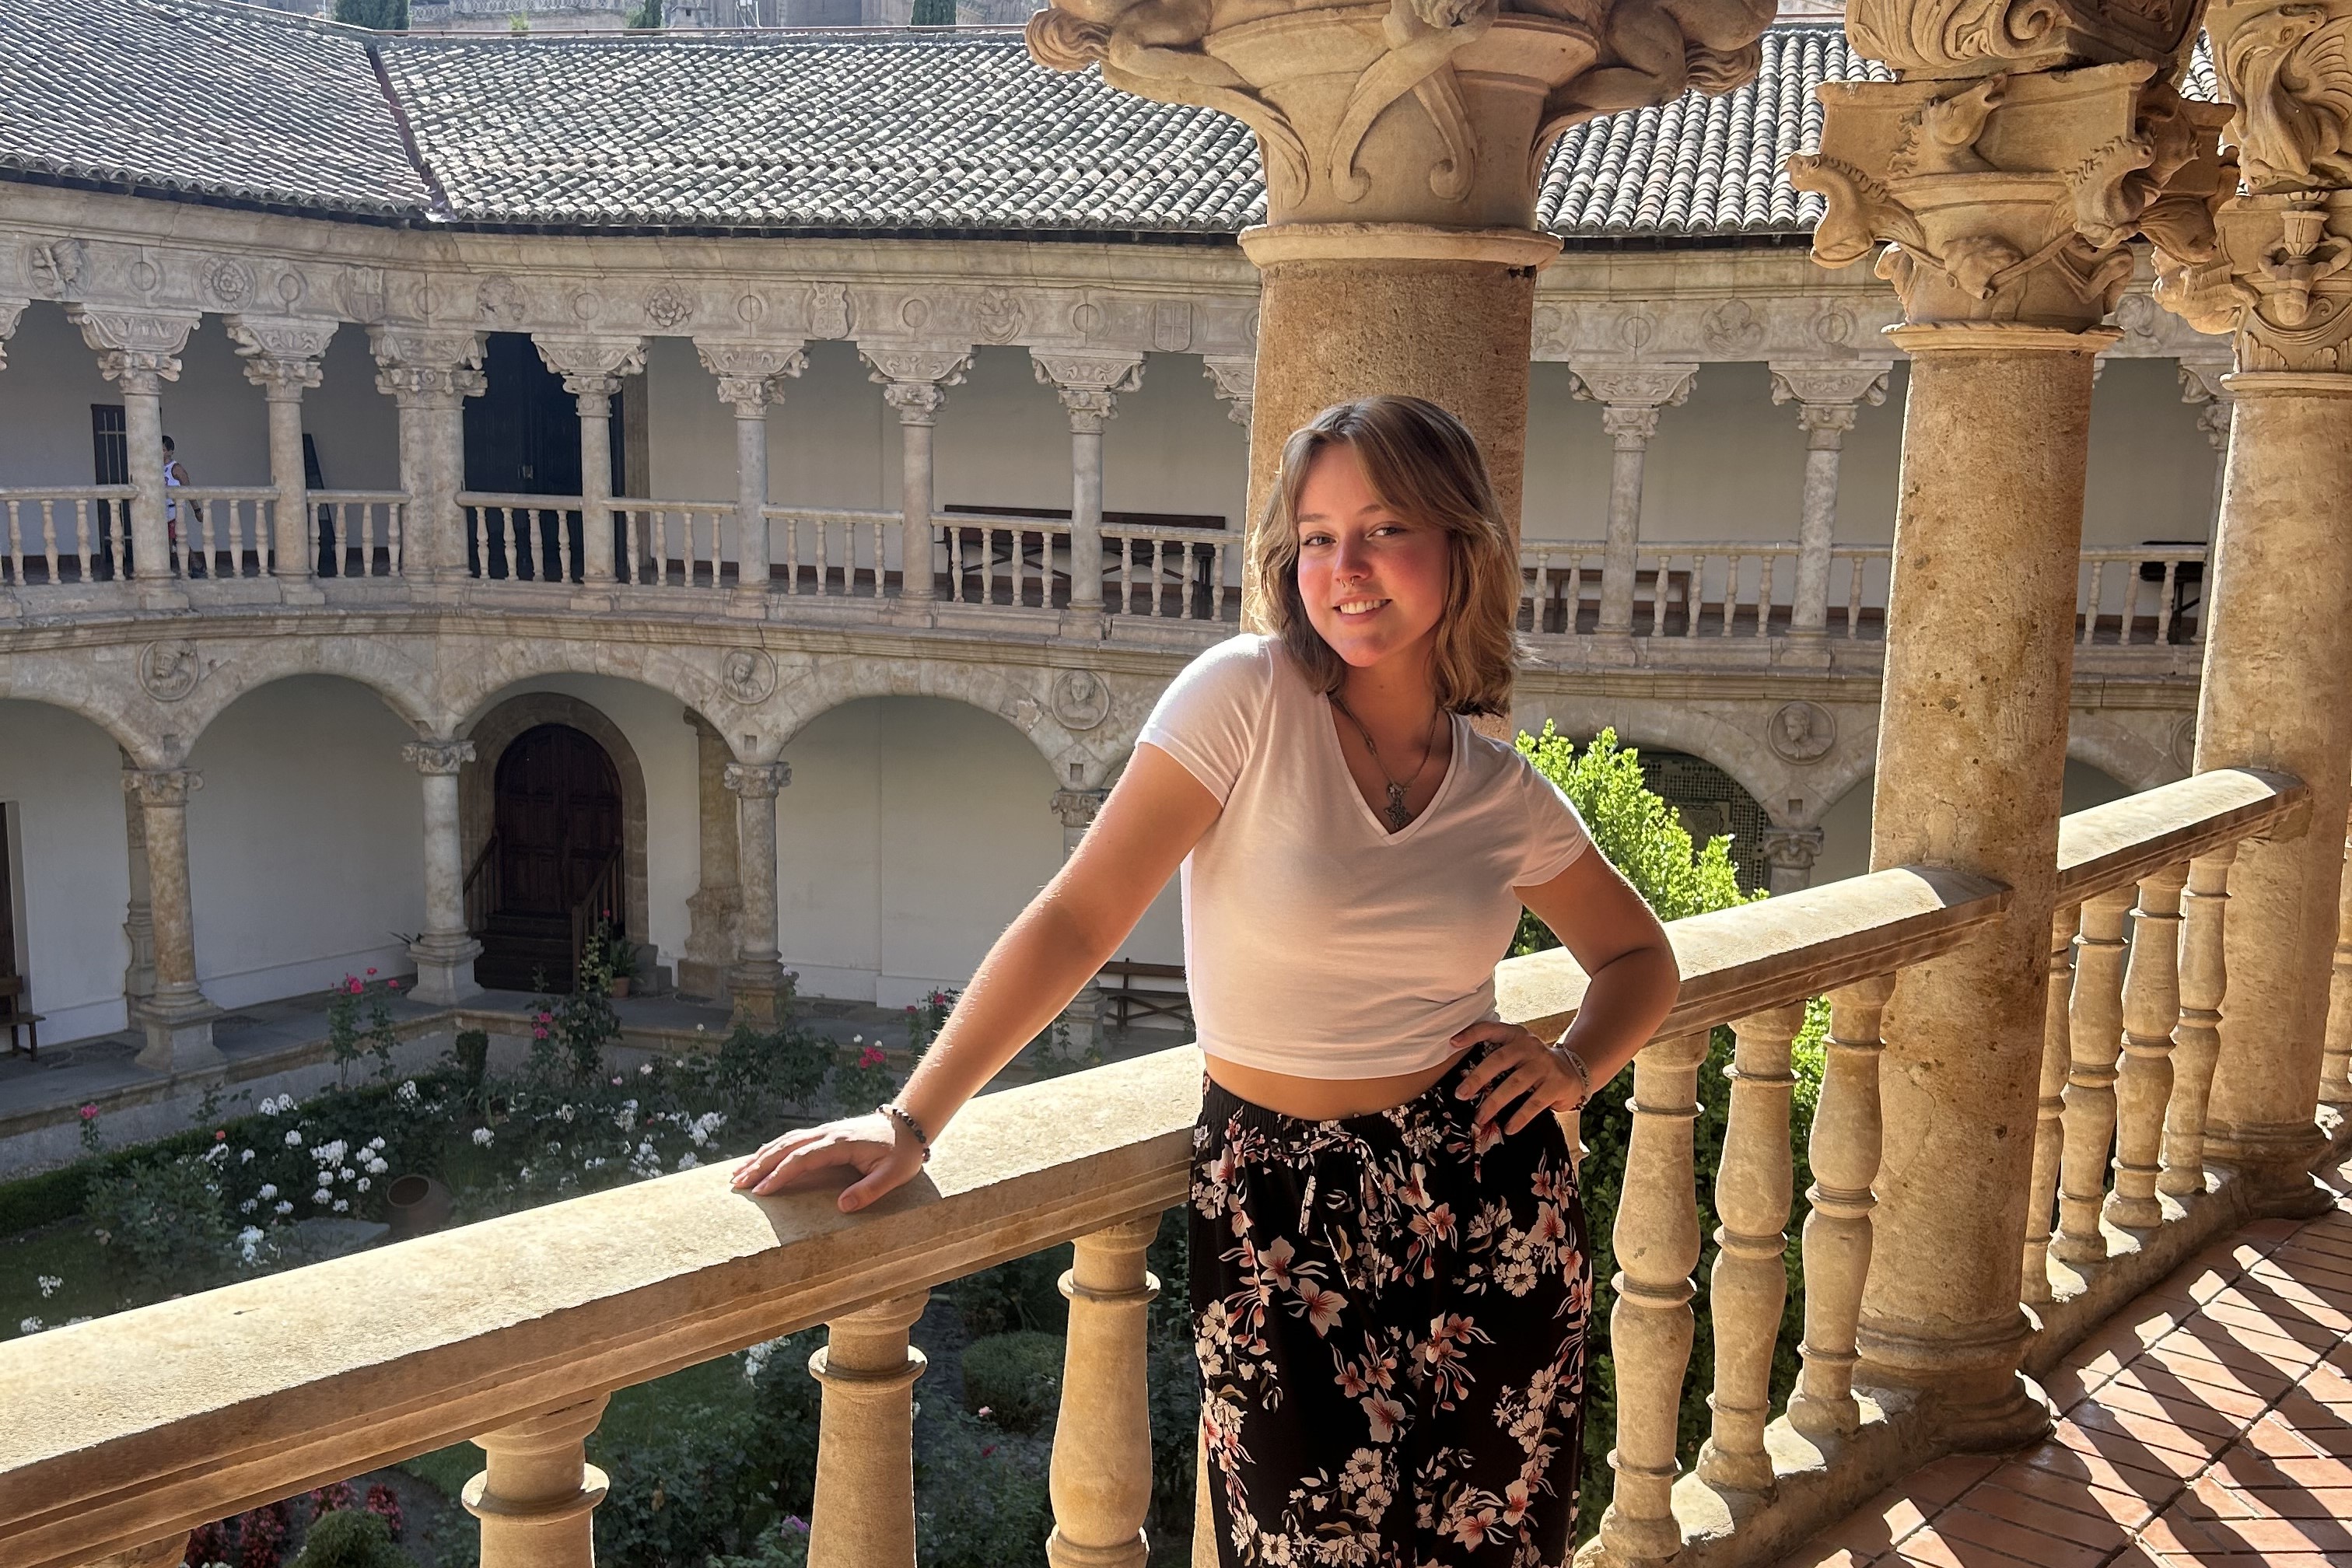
(1316, 943)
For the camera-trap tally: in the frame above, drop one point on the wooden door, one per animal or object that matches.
(559, 819)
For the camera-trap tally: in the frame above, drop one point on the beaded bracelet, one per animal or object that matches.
(900, 1114)
(1584, 1077)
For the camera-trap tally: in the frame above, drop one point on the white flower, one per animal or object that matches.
(249, 1206)
(293, 1138)
(268, 1190)
(323, 1197)
(30, 1326)
(268, 1107)
(330, 1153)
(341, 1204)
(407, 1092)
(346, 1172)
(523, 1174)
(363, 1184)
(376, 1141)
(482, 1136)
(376, 1167)
(245, 1158)
(554, 1148)
(687, 1161)
(563, 1113)
(284, 1205)
(755, 1359)
(645, 1071)
(50, 1284)
(249, 1241)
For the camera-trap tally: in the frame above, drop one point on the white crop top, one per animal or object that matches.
(1317, 944)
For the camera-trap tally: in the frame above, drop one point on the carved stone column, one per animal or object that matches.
(2005, 191)
(428, 375)
(2336, 1069)
(1089, 383)
(1791, 852)
(751, 377)
(139, 351)
(281, 356)
(1402, 143)
(537, 1496)
(1631, 397)
(1236, 378)
(757, 980)
(444, 950)
(1083, 1018)
(863, 1514)
(1828, 398)
(915, 382)
(592, 368)
(2278, 647)
(178, 1019)
(137, 915)
(717, 900)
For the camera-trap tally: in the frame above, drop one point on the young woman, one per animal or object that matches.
(1390, 1284)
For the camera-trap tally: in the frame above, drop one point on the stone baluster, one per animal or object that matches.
(752, 377)
(1650, 1326)
(2095, 1039)
(1101, 1475)
(139, 913)
(718, 897)
(2276, 663)
(757, 980)
(1973, 714)
(1236, 378)
(1631, 397)
(1083, 1017)
(1089, 383)
(1847, 1143)
(863, 1516)
(1829, 398)
(1749, 1285)
(1789, 853)
(139, 351)
(444, 950)
(538, 1493)
(2335, 1064)
(2050, 1113)
(178, 1019)
(2197, 1038)
(281, 356)
(915, 382)
(592, 368)
(428, 375)
(2151, 1012)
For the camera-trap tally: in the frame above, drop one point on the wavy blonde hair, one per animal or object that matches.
(1424, 466)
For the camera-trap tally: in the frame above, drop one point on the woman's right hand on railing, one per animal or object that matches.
(883, 1153)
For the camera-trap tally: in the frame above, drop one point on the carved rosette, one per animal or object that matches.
(2008, 200)
(1435, 113)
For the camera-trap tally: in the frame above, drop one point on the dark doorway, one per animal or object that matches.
(110, 465)
(522, 437)
(555, 856)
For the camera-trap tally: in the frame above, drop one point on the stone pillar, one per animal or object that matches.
(1089, 383)
(592, 368)
(178, 1019)
(1791, 852)
(1083, 1018)
(138, 917)
(538, 1493)
(444, 950)
(2001, 322)
(139, 351)
(914, 382)
(2335, 1070)
(1101, 1473)
(751, 377)
(428, 375)
(1828, 398)
(1236, 378)
(2202, 383)
(281, 356)
(2278, 647)
(1631, 397)
(717, 898)
(864, 1515)
(757, 980)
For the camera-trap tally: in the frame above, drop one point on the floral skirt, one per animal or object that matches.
(1390, 1312)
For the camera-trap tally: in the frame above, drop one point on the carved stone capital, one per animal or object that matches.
(1078, 807)
(2008, 200)
(1236, 378)
(1825, 386)
(416, 367)
(937, 366)
(917, 402)
(2287, 66)
(2282, 281)
(10, 309)
(756, 781)
(137, 350)
(751, 376)
(1790, 848)
(440, 757)
(161, 787)
(1966, 38)
(591, 364)
(2200, 380)
(1650, 385)
(282, 353)
(1089, 383)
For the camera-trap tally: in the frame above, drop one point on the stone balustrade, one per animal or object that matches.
(515, 1331)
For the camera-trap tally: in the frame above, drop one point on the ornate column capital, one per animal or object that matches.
(751, 376)
(420, 368)
(1078, 807)
(1653, 385)
(1812, 385)
(756, 781)
(11, 308)
(437, 757)
(591, 364)
(914, 364)
(2004, 204)
(162, 786)
(1965, 39)
(1236, 378)
(137, 350)
(1790, 848)
(282, 353)
(1088, 382)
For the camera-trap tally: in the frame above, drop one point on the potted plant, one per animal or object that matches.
(614, 956)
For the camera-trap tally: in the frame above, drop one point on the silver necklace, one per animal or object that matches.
(1398, 815)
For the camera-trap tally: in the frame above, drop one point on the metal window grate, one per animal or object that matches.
(1711, 804)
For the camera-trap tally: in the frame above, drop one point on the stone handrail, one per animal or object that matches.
(2170, 569)
(43, 527)
(220, 531)
(808, 555)
(1012, 554)
(1180, 573)
(506, 535)
(358, 532)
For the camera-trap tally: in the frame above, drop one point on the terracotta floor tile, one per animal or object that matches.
(2317, 1268)
(2267, 1535)
(2202, 1278)
(1994, 1501)
(2114, 1429)
(2298, 1502)
(2238, 1406)
(2319, 1239)
(2277, 1440)
(2219, 1338)
(2126, 1506)
(2289, 1302)
(2088, 1467)
(1872, 1529)
(2316, 1473)
(1818, 1553)
(2069, 1386)
(1929, 1549)
(2251, 1376)
(2176, 1533)
(1964, 1527)
(2280, 1320)
(2185, 1408)
(2271, 1229)
(1949, 1477)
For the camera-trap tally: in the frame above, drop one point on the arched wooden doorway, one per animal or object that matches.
(553, 862)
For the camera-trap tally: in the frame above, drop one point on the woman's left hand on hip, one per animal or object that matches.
(1522, 1067)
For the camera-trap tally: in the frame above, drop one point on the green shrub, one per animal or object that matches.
(1023, 1293)
(1015, 1377)
(351, 1538)
(981, 1498)
(165, 1223)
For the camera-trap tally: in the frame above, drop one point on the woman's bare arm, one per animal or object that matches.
(1152, 820)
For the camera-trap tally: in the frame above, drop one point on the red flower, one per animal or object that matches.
(356, 987)
(89, 1113)
(371, 972)
(391, 986)
(220, 1134)
(871, 1056)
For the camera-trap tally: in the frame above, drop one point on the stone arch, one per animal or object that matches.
(476, 670)
(476, 781)
(2123, 754)
(52, 684)
(1666, 726)
(380, 664)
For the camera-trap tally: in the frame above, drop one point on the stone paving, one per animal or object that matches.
(2209, 1424)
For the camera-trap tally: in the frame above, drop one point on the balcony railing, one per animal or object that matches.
(50, 537)
(131, 1429)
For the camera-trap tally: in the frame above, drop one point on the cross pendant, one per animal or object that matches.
(1399, 818)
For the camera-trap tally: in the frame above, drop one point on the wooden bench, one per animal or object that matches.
(1133, 991)
(16, 1015)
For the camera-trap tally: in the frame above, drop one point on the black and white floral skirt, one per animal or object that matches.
(1390, 1312)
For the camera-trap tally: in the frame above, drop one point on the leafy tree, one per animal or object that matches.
(384, 16)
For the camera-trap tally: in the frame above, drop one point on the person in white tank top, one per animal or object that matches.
(1390, 1283)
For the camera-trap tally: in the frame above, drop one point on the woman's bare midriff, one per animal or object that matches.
(1320, 1099)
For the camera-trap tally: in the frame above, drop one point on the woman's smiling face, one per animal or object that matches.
(1373, 581)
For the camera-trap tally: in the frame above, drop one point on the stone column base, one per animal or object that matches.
(179, 1037)
(758, 992)
(698, 977)
(1082, 1020)
(445, 969)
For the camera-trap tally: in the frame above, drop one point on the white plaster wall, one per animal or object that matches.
(306, 843)
(354, 427)
(62, 774)
(45, 391)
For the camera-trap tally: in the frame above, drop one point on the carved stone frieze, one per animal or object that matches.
(1949, 38)
(2010, 199)
(62, 267)
(751, 374)
(828, 309)
(2288, 69)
